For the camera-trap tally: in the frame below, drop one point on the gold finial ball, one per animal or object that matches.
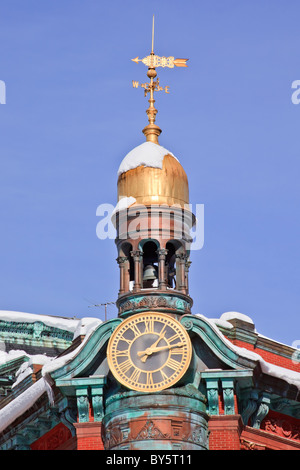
(151, 73)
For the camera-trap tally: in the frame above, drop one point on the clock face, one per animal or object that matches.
(149, 352)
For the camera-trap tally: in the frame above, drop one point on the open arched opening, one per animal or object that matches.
(176, 266)
(171, 265)
(150, 264)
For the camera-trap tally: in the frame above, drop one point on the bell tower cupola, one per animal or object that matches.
(153, 218)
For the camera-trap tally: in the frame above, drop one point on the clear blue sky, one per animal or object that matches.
(71, 115)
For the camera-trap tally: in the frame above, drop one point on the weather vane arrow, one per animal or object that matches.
(152, 61)
(156, 61)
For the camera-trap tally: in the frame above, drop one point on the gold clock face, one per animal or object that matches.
(149, 352)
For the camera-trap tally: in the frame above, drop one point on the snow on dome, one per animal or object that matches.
(124, 203)
(147, 154)
(236, 315)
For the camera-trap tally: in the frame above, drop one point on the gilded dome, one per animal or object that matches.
(152, 175)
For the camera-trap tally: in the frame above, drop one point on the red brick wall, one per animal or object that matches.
(225, 432)
(268, 356)
(89, 436)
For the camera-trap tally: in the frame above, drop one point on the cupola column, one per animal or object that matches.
(187, 268)
(180, 271)
(122, 262)
(162, 253)
(137, 258)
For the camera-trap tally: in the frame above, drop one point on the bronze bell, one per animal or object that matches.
(150, 273)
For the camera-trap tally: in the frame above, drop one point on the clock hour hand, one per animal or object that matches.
(161, 335)
(154, 349)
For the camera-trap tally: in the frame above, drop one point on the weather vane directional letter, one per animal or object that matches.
(152, 131)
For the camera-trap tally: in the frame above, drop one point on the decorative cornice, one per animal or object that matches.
(173, 302)
(187, 390)
(36, 331)
(268, 439)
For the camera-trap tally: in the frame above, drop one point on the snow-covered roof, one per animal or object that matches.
(224, 321)
(147, 154)
(63, 323)
(21, 403)
(25, 400)
(79, 327)
(290, 376)
(6, 357)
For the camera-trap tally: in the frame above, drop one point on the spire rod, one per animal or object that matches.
(152, 131)
(152, 50)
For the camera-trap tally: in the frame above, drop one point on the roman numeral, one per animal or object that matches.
(164, 376)
(149, 325)
(149, 379)
(172, 338)
(135, 330)
(135, 375)
(122, 353)
(125, 366)
(173, 364)
(176, 351)
(128, 341)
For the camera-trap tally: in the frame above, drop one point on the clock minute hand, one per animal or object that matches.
(161, 348)
(155, 349)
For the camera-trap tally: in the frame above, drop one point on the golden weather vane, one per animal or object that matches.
(152, 131)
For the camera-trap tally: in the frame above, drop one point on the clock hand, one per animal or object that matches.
(152, 350)
(161, 335)
(161, 348)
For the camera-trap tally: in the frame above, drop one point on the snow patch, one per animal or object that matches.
(290, 376)
(11, 355)
(27, 367)
(236, 315)
(223, 323)
(67, 324)
(21, 403)
(25, 400)
(86, 325)
(123, 203)
(147, 154)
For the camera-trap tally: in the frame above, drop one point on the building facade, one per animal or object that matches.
(156, 377)
(240, 390)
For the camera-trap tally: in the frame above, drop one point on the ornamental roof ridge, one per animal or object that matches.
(63, 323)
